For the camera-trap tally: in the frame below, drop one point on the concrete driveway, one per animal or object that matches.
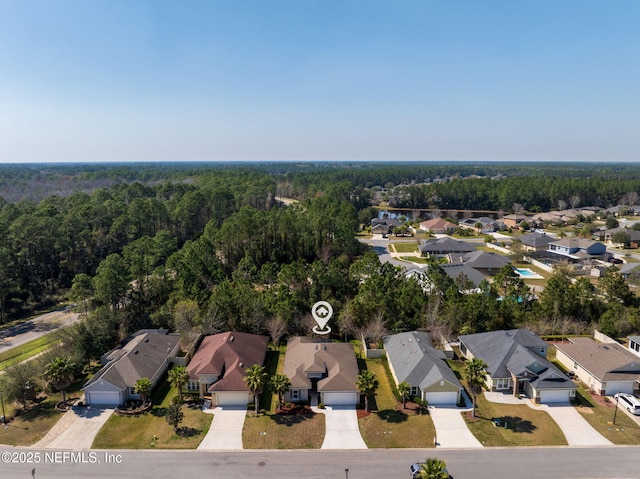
(451, 429)
(341, 428)
(225, 432)
(575, 428)
(81, 431)
(577, 431)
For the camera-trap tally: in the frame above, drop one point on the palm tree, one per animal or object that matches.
(433, 468)
(367, 383)
(178, 377)
(59, 372)
(255, 377)
(404, 388)
(281, 385)
(142, 387)
(475, 373)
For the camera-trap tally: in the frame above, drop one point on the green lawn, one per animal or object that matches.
(388, 425)
(27, 350)
(151, 430)
(30, 426)
(405, 246)
(273, 431)
(525, 426)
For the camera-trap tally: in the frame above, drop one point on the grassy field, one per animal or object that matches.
(600, 415)
(31, 425)
(27, 350)
(405, 246)
(151, 430)
(387, 426)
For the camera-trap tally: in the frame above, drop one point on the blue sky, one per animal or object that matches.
(134, 80)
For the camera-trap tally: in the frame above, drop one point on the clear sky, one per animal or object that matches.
(137, 80)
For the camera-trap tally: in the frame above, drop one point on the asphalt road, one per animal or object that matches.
(27, 331)
(495, 463)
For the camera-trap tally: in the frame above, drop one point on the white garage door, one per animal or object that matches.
(103, 397)
(232, 399)
(619, 387)
(436, 398)
(341, 399)
(554, 396)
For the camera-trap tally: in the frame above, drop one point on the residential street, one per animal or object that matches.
(487, 463)
(33, 329)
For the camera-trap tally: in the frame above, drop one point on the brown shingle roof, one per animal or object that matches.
(336, 360)
(228, 354)
(606, 362)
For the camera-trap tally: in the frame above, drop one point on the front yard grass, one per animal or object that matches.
(151, 430)
(274, 431)
(388, 425)
(269, 430)
(405, 246)
(600, 414)
(525, 426)
(31, 425)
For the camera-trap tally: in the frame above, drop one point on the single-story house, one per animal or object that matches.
(321, 372)
(146, 354)
(577, 246)
(218, 367)
(412, 358)
(605, 368)
(517, 362)
(536, 241)
(514, 220)
(384, 226)
(444, 246)
(486, 224)
(438, 226)
(486, 263)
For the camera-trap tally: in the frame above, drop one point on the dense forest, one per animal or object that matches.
(201, 248)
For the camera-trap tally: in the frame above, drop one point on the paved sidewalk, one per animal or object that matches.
(341, 428)
(80, 432)
(577, 431)
(225, 432)
(451, 428)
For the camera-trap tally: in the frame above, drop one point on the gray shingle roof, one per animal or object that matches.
(445, 245)
(141, 357)
(514, 352)
(606, 362)
(416, 361)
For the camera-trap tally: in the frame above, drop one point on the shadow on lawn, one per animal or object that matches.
(290, 420)
(515, 424)
(393, 415)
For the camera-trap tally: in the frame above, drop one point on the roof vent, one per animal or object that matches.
(241, 365)
(135, 352)
(418, 339)
(231, 339)
(325, 347)
(146, 340)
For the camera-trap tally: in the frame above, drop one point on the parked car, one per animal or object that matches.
(629, 402)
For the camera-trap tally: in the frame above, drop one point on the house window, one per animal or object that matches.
(295, 394)
(414, 391)
(132, 389)
(502, 383)
(192, 385)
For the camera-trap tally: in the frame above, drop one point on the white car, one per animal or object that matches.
(629, 402)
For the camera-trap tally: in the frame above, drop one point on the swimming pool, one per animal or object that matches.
(527, 273)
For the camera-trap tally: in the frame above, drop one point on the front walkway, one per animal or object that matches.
(341, 428)
(225, 432)
(81, 425)
(577, 431)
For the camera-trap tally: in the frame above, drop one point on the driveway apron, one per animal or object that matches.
(225, 432)
(81, 432)
(341, 428)
(451, 428)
